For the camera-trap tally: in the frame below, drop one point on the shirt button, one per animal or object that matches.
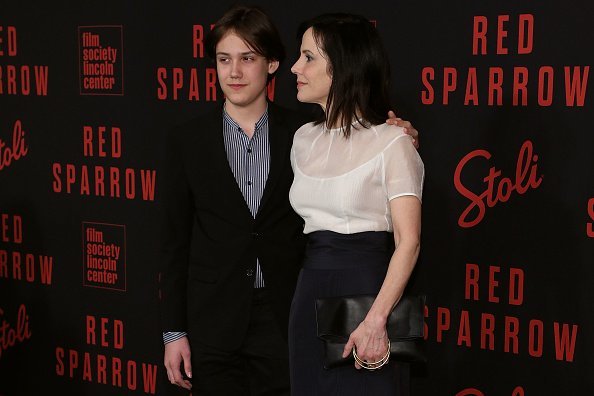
(249, 182)
(249, 272)
(249, 151)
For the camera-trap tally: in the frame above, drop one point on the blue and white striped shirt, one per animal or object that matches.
(249, 159)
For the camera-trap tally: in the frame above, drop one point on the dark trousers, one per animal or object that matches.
(260, 367)
(339, 265)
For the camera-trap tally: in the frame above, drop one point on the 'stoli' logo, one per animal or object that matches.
(18, 149)
(496, 189)
(9, 335)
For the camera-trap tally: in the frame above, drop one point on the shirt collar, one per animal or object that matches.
(259, 124)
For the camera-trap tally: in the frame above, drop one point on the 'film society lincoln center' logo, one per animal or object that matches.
(101, 60)
(104, 255)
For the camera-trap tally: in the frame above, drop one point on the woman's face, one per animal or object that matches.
(311, 69)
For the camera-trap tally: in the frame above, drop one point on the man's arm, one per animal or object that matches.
(176, 228)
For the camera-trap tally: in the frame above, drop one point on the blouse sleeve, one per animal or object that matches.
(404, 171)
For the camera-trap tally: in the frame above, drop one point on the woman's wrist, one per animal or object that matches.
(376, 321)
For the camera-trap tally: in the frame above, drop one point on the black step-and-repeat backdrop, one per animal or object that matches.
(498, 89)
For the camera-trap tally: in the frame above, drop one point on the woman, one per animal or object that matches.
(358, 185)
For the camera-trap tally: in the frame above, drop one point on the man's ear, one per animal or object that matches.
(272, 66)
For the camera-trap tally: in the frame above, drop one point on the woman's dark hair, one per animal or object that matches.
(359, 67)
(254, 27)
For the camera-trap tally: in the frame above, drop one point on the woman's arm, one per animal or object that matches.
(370, 337)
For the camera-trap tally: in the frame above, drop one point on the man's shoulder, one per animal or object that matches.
(200, 121)
(194, 128)
(282, 115)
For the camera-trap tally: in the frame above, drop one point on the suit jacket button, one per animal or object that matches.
(249, 272)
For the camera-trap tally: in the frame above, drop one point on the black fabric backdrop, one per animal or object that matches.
(510, 302)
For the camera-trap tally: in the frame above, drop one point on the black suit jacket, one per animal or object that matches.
(210, 240)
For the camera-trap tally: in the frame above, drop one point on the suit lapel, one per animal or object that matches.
(220, 165)
(280, 143)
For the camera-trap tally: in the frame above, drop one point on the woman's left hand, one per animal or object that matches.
(370, 341)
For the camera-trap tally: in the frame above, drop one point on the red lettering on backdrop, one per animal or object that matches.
(496, 190)
(487, 330)
(23, 73)
(471, 94)
(171, 84)
(11, 42)
(503, 333)
(270, 89)
(198, 41)
(464, 329)
(479, 35)
(518, 391)
(512, 327)
(470, 392)
(575, 86)
(450, 77)
(590, 226)
(520, 82)
(493, 283)
(525, 34)
(18, 149)
(110, 370)
(501, 34)
(535, 337)
(471, 282)
(576, 83)
(89, 135)
(443, 322)
(427, 95)
(576, 77)
(103, 142)
(10, 336)
(515, 281)
(110, 334)
(14, 235)
(495, 82)
(564, 342)
(516, 286)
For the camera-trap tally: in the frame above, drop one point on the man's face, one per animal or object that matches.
(242, 73)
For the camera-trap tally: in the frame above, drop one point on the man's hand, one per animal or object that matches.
(176, 352)
(408, 128)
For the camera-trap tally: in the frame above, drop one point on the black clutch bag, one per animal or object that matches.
(338, 317)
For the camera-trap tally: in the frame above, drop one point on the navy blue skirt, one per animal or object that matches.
(339, 265)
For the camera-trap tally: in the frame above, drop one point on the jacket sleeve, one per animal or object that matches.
(175, 224)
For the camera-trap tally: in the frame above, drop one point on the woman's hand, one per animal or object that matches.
(370, 340)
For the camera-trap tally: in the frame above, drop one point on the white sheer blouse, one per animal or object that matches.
(345, 185)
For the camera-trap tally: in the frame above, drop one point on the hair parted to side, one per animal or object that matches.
(254, 26)
(359, 67)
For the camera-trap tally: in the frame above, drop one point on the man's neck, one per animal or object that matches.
(247, 116)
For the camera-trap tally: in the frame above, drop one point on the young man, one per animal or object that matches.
(232, 245)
